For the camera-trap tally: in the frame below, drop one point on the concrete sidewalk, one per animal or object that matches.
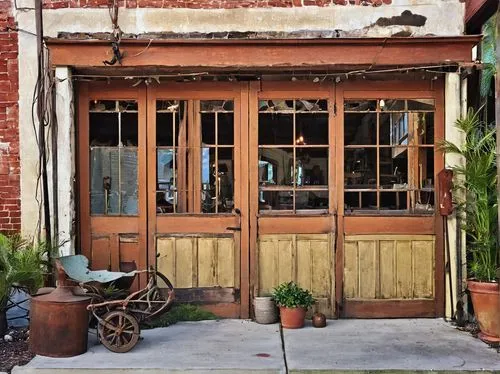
(237, 346)
(402, 345)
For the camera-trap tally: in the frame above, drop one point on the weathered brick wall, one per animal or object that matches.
(10, 200)
(209, 4)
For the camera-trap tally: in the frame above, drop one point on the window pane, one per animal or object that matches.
(311, 128)
(360, 129)
(311, 200)
(275, 200)
(425, 161)
(129, 186)
(216, 105)
(276, 105)
(103, 129)
(275, 129)
(389, 105)
(394, 168)
(276, 166)
(424, 128)
(104, 180)
(311, 105)
(394, 200)
(424, 201)
(394, 129)
(311, 167)
(360, 168)
(166, 186)
(421, 104)
(208, 128)
(103, 105)
(354, 201)
(360, 105)
(170, 120)
(208, 198)
(225, 180)
(225, 128)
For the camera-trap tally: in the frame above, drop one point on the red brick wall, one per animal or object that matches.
(208, 4)
(10, 196)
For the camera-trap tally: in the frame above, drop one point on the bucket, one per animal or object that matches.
(265, 310)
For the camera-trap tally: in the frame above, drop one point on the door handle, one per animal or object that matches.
(231, 228)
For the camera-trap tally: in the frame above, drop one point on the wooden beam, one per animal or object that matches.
(268, 54)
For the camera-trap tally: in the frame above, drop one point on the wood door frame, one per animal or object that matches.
(102, 91)
(385, 224)
(290, 223)
(214, 223)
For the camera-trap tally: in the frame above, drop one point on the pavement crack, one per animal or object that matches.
(282, 336)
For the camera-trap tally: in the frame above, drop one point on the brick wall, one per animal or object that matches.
(209, 4)
(10, 200)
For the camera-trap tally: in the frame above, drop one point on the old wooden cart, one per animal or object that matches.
(118, 311)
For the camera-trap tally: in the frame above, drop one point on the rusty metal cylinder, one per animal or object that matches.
(59, 323)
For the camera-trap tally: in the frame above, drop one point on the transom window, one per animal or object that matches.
(293, 155)
(389, 156)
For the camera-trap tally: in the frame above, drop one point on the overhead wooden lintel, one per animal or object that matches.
(266, 54)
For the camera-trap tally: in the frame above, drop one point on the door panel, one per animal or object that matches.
(194, 224)
(389, 267)
(305, 259)
(192, 262)
(292, 204)
(112, 158)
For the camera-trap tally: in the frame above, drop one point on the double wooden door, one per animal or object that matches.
(162, 184)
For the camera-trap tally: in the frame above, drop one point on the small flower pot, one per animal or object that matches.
(265, 310)
(292, 318)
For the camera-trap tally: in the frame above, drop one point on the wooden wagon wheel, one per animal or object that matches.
(119, 331)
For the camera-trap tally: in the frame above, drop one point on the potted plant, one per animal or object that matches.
(475, 185)
(22, 267)
(293, 302)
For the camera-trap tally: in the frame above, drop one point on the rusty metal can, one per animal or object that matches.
(59, 323)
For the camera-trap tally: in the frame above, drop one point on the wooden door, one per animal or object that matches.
(112, 175)
(196, 203)
(390, 256)
(292, 199)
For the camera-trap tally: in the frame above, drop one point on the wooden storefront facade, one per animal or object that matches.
(230, 188)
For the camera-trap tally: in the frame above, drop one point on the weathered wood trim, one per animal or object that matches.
(269, 54)
(389, 309)
(389, 225)
(296, 224)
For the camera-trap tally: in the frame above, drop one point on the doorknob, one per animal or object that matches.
(237, 211)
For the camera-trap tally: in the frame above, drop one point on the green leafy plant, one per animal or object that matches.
(178, 313)
(475, 185)
(22, 266)
(488, 51)
(290, 295)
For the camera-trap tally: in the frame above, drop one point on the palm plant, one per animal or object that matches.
(22, 266)
(475, 193)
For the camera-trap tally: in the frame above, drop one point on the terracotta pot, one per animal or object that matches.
(292, 318)
(486, 301)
